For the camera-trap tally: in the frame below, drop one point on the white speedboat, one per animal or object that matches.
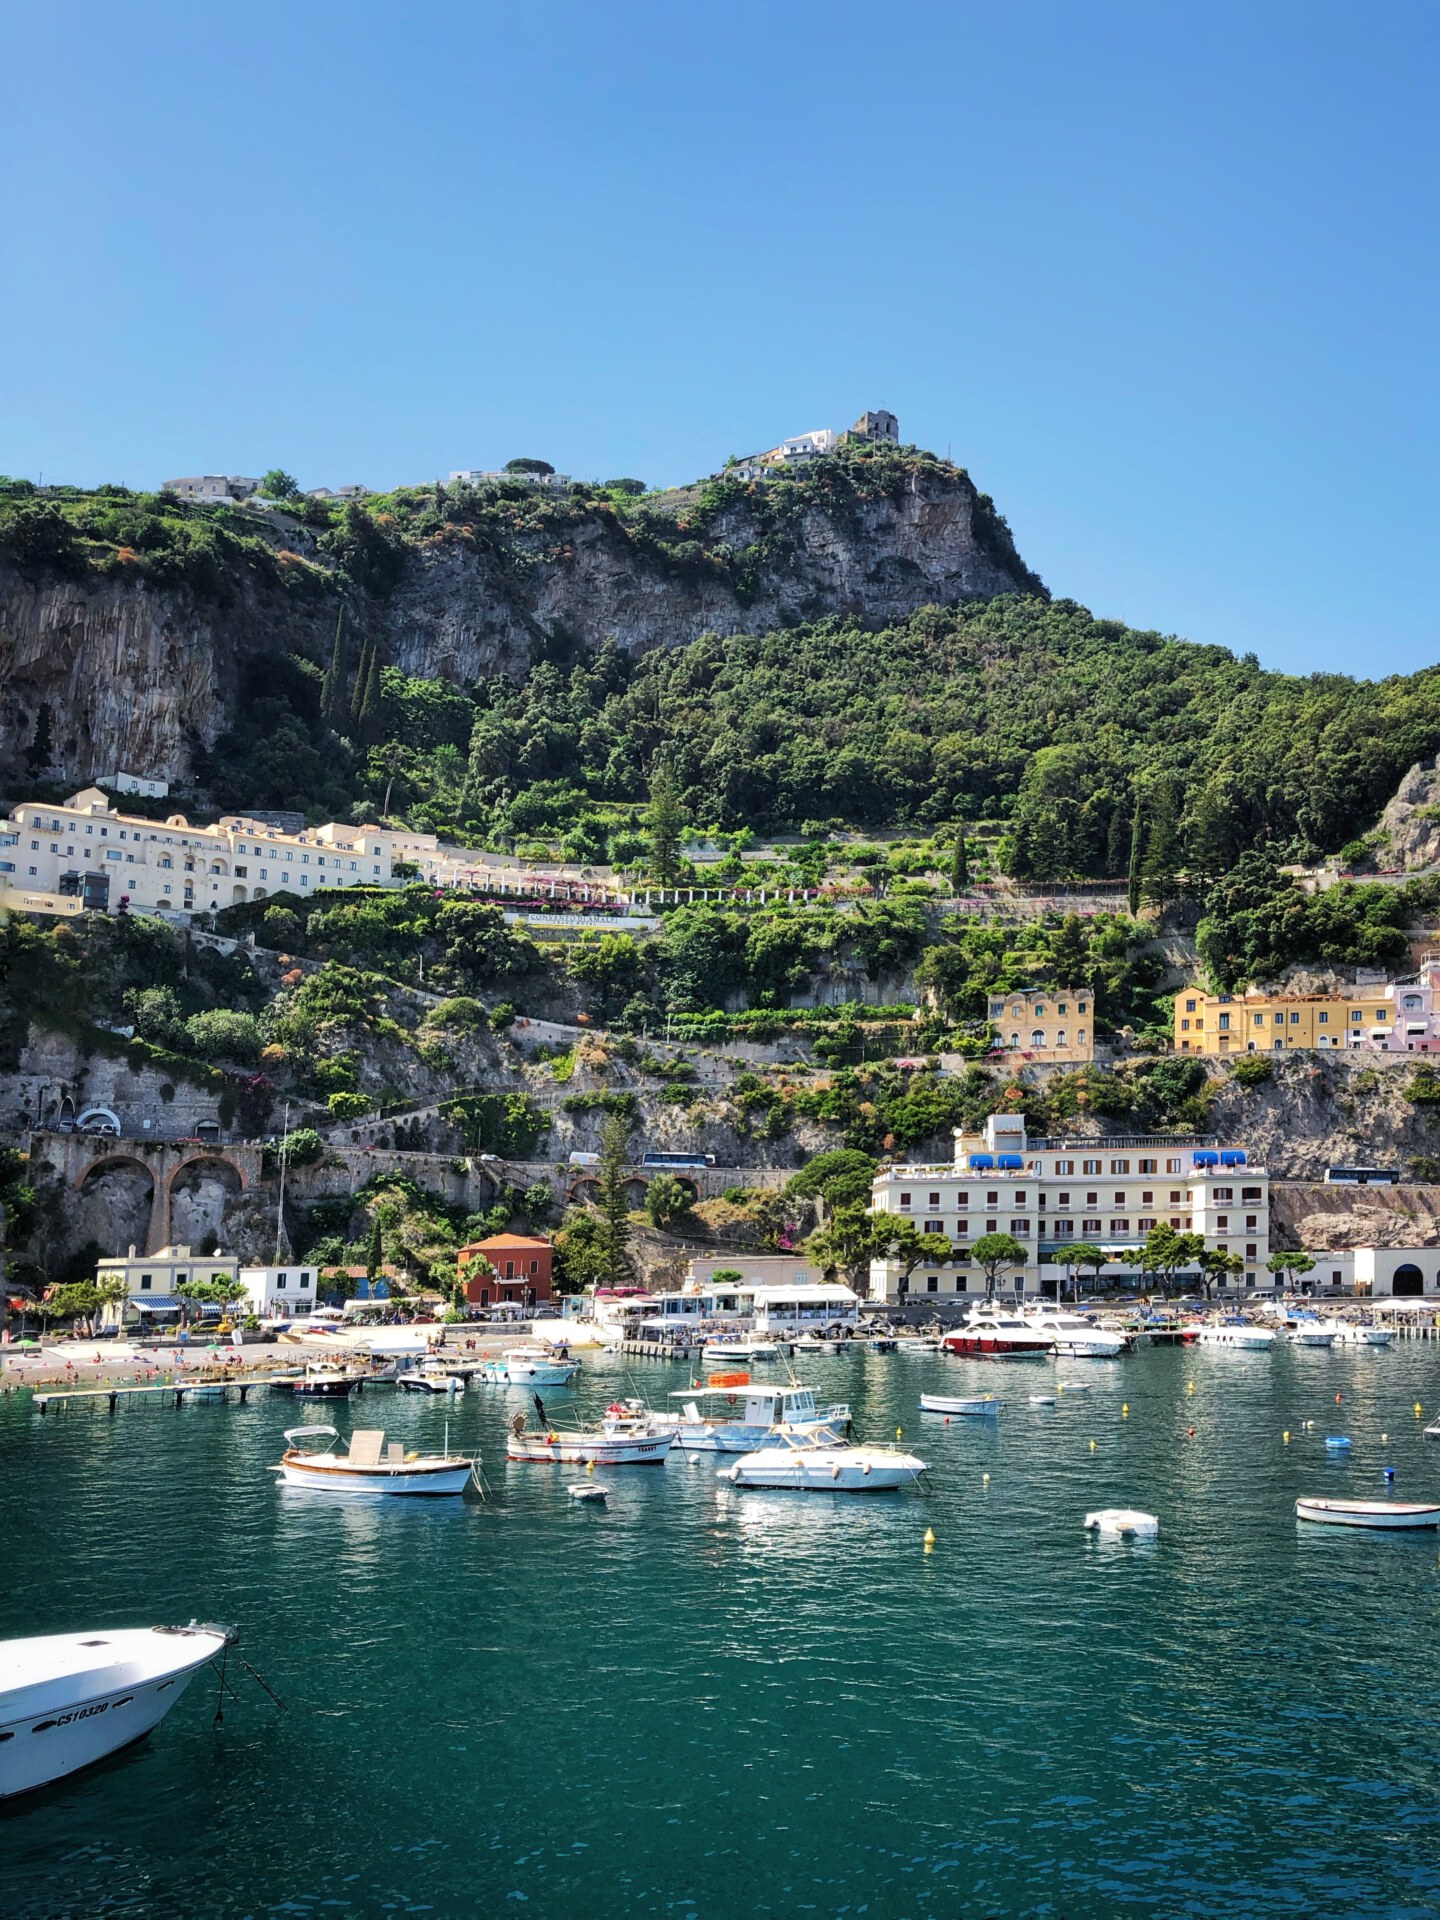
(615, 1443)
(69, 1699)
(815, 1343)
(992, 1333)
(973, 1404)
(1361, 1333)
(918, 1346)
(1388, 1514)
(431, 1377)
(1308, 1330)
(1235, 1333)
(727, 1349)
(370, 1466)
(1080, 1339)
(723, 1418)
(807, 1469)
(529, 1367)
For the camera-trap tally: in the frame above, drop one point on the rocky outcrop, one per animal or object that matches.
(1408, 831)
(121, 672)
(462, 610)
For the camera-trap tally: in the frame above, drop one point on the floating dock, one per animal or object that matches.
(180, 1389)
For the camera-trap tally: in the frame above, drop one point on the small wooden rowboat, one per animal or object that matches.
(1388, 1514)
(980, 1403)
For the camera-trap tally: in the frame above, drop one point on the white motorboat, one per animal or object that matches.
(791, 1464)
(70, 1699)
(1308, 1330)
(1122, 1523)
(737, 1417)
(993, 1333)
(1077, 1338)
(728, 1348)
(918, 1346)
(1361, 1333)
(616, 1443)
(1236, 1334)
(974, 1404)
(1386, 1514)
(590, 1490)
(370, 1466)
(815, 1343)
(529, 1367)
(431, 1377)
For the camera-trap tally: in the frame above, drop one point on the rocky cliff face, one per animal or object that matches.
(1409, 828)
(461, 611)
(144, 677)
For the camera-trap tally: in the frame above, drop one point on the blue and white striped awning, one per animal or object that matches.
(156, 1302)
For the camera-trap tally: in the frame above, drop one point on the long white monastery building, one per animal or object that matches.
(1050, 1193)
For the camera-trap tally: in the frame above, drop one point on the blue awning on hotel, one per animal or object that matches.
(155, 1302)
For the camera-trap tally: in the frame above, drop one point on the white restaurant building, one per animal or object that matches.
(1052, 1193)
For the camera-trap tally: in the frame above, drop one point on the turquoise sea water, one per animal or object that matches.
(698, 1702)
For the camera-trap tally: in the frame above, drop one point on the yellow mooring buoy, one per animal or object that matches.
(929, 1539)
(1286, 1436)
(1125, 1410)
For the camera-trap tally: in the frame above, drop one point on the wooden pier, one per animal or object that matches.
(179, 1388)
(661, 1349)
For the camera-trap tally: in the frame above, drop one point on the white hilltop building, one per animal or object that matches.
(801, 448)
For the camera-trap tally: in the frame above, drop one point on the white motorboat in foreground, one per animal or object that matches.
(370, 1466)
(529, 1367)
(948, 1403)
(791, 1464)
(725, 1418)
(70, 1699)
(1236, 1333)
(1386, 1514)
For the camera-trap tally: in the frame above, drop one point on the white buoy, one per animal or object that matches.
(1122, 1523)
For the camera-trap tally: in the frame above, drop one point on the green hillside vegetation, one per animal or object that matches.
(1093, 749)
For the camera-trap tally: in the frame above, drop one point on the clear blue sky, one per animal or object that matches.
(1162, 277)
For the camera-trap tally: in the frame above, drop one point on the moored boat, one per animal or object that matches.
(727, 1348)
(530, 1367)
(1077, 1338)
(628, 1443)
(972, 1404)
(370, 1466)
(791, 1465)
(431, 1377)
(320, 1381)
(1362, 1333)
(1308, 1330)
(1236, 1333)
(992, 1333)
(737, 1417)
(1388, 1515)
(70, 1699)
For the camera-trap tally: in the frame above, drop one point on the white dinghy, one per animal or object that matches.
(70, 1699)
(1388, 1515)
(973, 1405)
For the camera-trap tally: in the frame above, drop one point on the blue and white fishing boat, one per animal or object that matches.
(739, 1418)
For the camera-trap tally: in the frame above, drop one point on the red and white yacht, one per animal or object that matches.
(995, 1333)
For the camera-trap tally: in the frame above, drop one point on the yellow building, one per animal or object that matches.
(1041, 1024)
(1257, 1022)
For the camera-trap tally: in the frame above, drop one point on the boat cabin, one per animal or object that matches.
(747, 1404)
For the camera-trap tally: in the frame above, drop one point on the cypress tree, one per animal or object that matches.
(960, 863)
(375, 1258)
(665, 819)
(335, 678)
(357, 692)
(372, 694)
(1137, 854)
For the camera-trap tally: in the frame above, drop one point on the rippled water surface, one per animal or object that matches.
(698, 1702)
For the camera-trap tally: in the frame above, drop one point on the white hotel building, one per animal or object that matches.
(87, 855)
(1052, 1193)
